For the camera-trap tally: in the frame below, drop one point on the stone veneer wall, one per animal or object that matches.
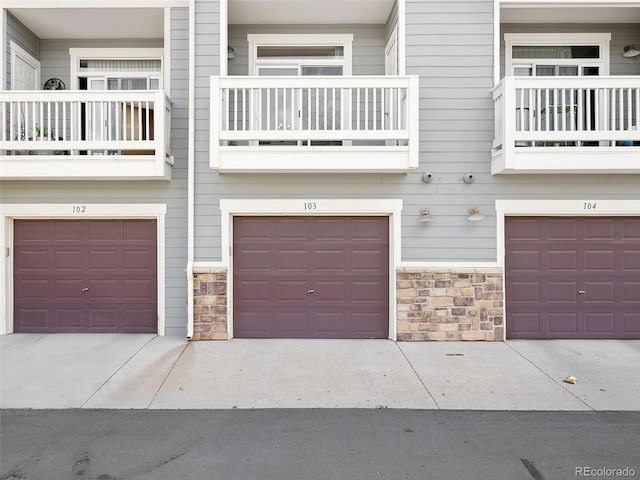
(460, 304)
(210, 304)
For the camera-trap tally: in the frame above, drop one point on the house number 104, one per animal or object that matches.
(589, 206)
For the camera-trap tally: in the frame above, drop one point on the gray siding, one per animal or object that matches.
(207, 63)
(621, 35)
(24, 37)
(55, 62)
(368, 44)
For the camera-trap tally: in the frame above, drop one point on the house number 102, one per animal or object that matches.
(589, 206)
(79, 208)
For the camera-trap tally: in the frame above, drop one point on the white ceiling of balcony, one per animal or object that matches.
(77, 23)
(308, 11)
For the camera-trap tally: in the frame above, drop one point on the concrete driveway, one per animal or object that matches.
(148, 371)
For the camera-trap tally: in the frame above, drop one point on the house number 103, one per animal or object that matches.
(310, 206)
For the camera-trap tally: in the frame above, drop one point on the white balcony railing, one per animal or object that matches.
(122, 133)
(356, 123)
(567, 124)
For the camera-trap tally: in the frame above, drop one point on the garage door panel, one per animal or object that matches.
(562, 260)
(562, 323)
(138, 261)
(369, 260)
(562, 229)
(33, 289)
(32, 319)
(631, 293)
(93, 274)
(631, 260)
(631, 323)
(287, 291)
(101, 319)
(292, 229)
(292, 260)
(104, 260)
(326, 260)
(329, 291)
(525, 292)
(599, 261)
(67, 231)
(630, 230)
(368, 324)
(369, 229)
(329, 229)
(592, 300)
(524, 260)
(31, 232)
(253, 290)
(599, 323)
(562, 292)
(291, 324)
(68, 289)
(68, 260)
(330, 324)
(326, 271)
(599, 292)
(69, 318)
(138, 289)
(599, 229)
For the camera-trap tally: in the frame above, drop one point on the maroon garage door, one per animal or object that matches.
(85, 276)
(573, 277)
(316, 277)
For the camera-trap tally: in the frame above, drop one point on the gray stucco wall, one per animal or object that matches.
(55, 62)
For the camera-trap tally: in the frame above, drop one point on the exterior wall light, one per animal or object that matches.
(630, 51)
(231, 53)
(475, 215)
(424, 214)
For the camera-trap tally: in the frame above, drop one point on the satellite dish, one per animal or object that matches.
(54, 84)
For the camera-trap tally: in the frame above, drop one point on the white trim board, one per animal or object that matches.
(10, 212)
(308, 208)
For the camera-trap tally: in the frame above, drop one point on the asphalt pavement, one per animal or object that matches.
(317, 444)
(103, 371)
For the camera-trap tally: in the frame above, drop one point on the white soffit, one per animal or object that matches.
(533, 12)
(308, 11)
(76, 23)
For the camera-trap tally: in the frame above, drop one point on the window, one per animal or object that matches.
(299, 54)
(537, 55)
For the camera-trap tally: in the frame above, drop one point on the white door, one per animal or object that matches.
(25, 69)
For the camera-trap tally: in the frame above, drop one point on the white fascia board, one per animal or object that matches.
(94, 3)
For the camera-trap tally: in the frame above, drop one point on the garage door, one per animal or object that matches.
(573, 277)
(85, 276)
(311, 277)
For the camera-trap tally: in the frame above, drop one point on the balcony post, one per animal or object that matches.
(508, 121)
(413, 121)
(215, 113)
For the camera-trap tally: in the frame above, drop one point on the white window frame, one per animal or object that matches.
(18, 51)
(308, 208)
(78, 54)
(565, 39)
(11, 212)
(299, 40)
